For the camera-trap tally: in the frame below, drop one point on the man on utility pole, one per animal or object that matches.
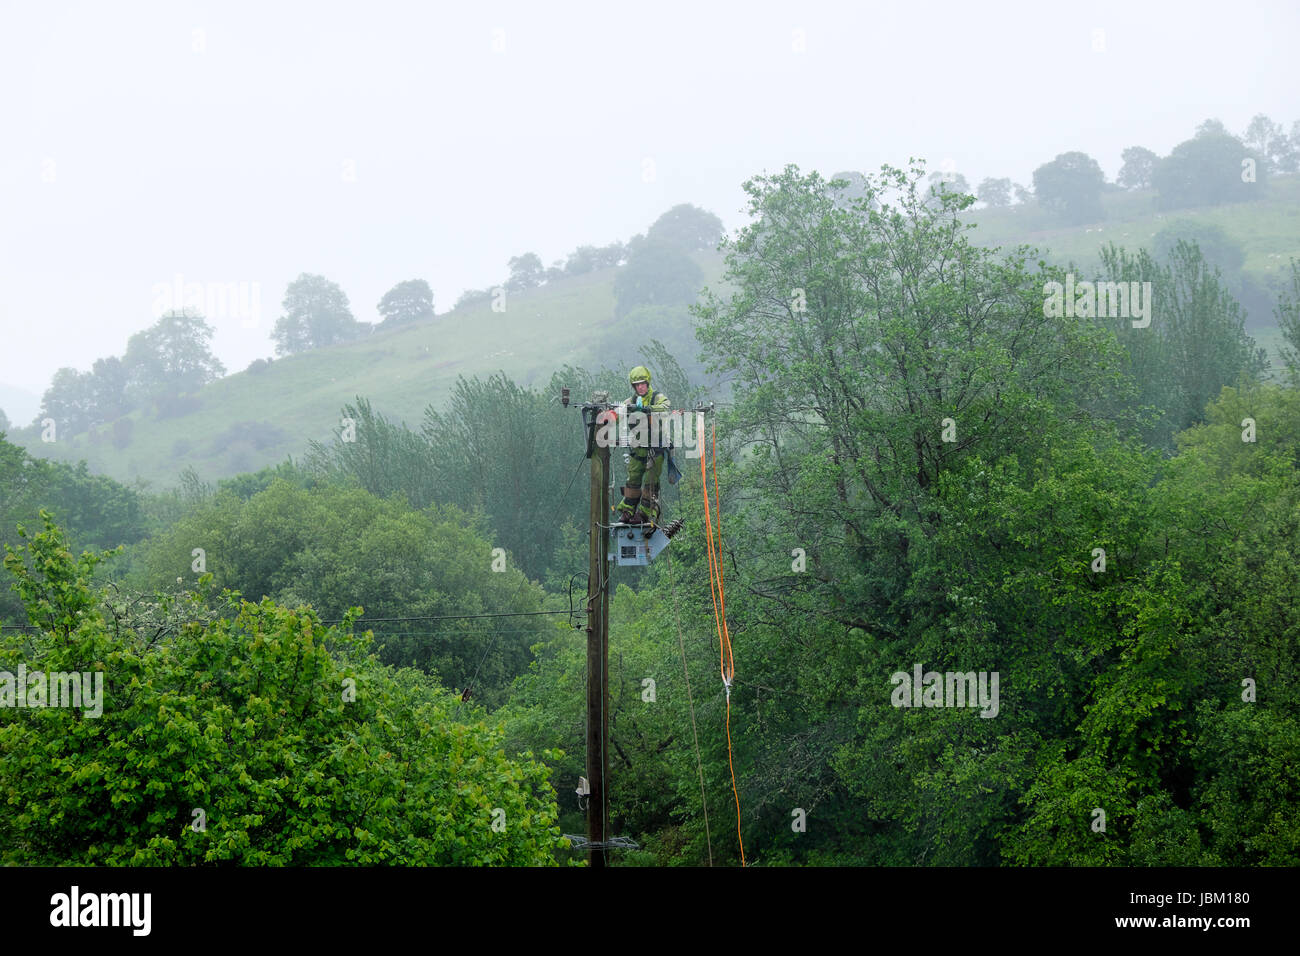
(644, 465)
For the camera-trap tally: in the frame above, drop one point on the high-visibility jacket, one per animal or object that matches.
(652, 402)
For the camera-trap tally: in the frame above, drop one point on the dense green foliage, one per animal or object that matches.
(97, 511)
(263, 738)
(1126, 689)
(922, 469)
(335, 548)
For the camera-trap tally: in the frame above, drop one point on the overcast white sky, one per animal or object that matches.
(139, 141)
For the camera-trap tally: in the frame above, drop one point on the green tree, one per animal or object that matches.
(526, 271)
(110, 380)
(384, 457)
(69, 401)
(951, 182)
(1267, 139)
(1139, 166)
(409, 301)
(486, 419)
(581, 260)
(853, 344)
(687, 228)
(657, 273)
(78, 401)
(995, 193)
(316, 314)
(1206, 170)
(610, 255)
(170, 357)
(1196, 342)
(1070, 188)
(473, 297)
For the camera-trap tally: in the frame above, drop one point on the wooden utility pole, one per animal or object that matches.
(598, 659)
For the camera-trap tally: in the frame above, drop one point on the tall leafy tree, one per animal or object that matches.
(1070, 187)
(995, 192)
(657, 273)
(484, 419)
(409, 301)
(1196, 342)
(70, 400)
(1267, 138)
(688, 228)
(110, 378)
(848, 368)
(610, 255)
(316, 314)
(581, 260)
(1139, 165)
(384, 457)
(1206, 170)
(171, 356)
(526, 271)
(1212, 127)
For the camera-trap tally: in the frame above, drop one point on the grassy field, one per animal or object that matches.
(249, 420)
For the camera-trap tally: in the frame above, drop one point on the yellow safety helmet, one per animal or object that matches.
(638, 374)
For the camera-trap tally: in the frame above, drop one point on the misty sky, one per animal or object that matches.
(376, 142)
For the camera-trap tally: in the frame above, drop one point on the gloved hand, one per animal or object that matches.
(608, 415)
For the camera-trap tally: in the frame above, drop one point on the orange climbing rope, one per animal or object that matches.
(726, 664)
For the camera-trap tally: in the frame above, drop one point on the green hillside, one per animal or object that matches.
(1268, 230)
(251, 419)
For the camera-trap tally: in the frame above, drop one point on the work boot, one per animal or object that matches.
(649, 504)
(627, 507)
